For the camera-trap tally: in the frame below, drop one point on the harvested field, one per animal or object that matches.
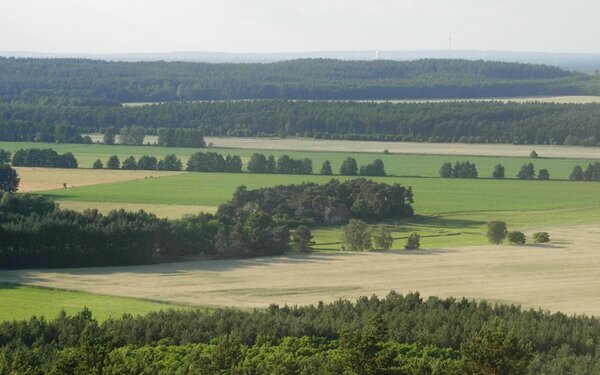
(456, 149)
(38, 179)
(564, 275)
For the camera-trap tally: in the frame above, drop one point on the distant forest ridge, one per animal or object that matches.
(103, 82)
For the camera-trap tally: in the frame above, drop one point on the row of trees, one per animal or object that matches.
(497, 232)
(464, 122)
(214, 162)
(526, 172)
(459, 170)
(358, 236)
(285, 164)
(47, 158)
(591, 173)
(145, 162)
(402, 334)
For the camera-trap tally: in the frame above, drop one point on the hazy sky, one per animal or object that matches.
(103, 26)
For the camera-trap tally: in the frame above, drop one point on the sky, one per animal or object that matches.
(263, 26)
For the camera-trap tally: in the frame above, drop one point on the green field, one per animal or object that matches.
(450, 212)
(21, 302)
(432, 195)
(395, 164)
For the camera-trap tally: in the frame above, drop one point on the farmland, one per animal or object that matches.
(562, 276)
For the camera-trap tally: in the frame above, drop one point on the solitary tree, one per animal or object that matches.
(516, 238)
(533, 154)
(326, 168)
(382, 237)
(498, 171)
(496, 232)
(302, 239)
(543, 174)
(349, 167)
(576, 174)
(98, 164)
(113, 162)
(413, 241)
(9, 179)
(356, 236)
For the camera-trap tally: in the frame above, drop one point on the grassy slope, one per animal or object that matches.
(396, 164)
(21, 302)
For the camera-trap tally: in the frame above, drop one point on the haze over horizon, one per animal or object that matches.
(285, 26)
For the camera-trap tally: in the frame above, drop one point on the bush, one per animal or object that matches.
(516, 237)
(356, 236)
(498, 171)
(413, 241)
(533, 155)
(541, 237)
(576, 174)
(382, 237)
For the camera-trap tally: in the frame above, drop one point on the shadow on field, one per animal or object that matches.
(8, 286)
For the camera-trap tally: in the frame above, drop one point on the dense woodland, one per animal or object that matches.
(322, 204)
(467, 122)
(34, 232)
(101, 82)
(394, 335)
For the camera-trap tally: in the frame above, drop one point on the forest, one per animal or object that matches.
(398, 334)
(466, 122)
(101, 82)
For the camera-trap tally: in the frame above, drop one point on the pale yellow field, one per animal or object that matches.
(309, 144)
(561, 276)
(38, 179)
(170, 211)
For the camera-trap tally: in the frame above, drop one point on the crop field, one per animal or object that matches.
(564, 275)
(21, 302)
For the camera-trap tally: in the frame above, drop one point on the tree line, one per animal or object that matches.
(101, 82)
(403, 334)
(464, 122)
(526, 172)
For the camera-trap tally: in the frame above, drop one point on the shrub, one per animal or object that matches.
(413, 241)
(533, 155)
(543, 174)
(541, 237)
(498, 171)
(356, 235)
(516, 237)
(576, 174)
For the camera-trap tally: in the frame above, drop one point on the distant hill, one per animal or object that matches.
(313, 79)
(582, 62)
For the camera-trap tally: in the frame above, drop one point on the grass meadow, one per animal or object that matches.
(21, 302)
